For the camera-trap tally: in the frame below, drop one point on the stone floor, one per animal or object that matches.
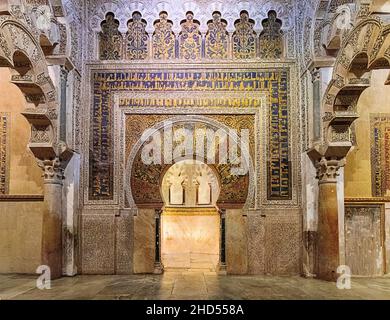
(190, 260)
(190, 285)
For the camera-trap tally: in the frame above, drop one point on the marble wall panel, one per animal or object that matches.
(236, 242)
(144, 241)
(190, 238)
(20, 236)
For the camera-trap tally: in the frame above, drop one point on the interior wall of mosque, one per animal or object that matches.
(20, 221)
(359, 167)
(25, 177)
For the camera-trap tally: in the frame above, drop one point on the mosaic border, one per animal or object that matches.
(294, 127)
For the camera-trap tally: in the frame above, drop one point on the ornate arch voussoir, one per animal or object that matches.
(5, 52)
(363, 49)
(16, 37)
(360, 39)
(380, 54)
(23, 41)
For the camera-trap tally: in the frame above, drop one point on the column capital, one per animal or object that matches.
(64, 73)
(158, 213)
(328, 169)
(315, 74)
(53, 171)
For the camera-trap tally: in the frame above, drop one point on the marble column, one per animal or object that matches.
(70, 209)
(158, 266)
(328, 255)
(64, 84)
(315, 74)
(52, 217)
(221, 268)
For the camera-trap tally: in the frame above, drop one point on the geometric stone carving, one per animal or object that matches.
(163, 38)
(190, 38)
(282, 240)
(98, 244)
(340, 133)
(271, 38)
(136, 38)
(244, 38)
(110, 39)
(40, 134)
(216, 40)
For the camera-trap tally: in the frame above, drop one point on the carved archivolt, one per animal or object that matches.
(23, 48)
(154, 172)
(20, 50)
(366, 47)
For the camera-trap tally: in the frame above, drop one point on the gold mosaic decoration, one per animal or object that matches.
(190, 39)
(136, 38)
(163, 38)
(110, 39)
(217, 38)
(244, 38)
(271, 38)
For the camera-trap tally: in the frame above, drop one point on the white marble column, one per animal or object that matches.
(70, 216)
(52, 216)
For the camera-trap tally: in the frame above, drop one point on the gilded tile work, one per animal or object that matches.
(190, 39)
(106, 83)
(213, 38)
(136, 38)
(4, 152)
(216, 40)
(110, 39)
(163, 38)
(198, 99)
(271, 38)
(380, 154)
(244, 38)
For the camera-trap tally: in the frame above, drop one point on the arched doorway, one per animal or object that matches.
(190, 221)
(235, 196)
